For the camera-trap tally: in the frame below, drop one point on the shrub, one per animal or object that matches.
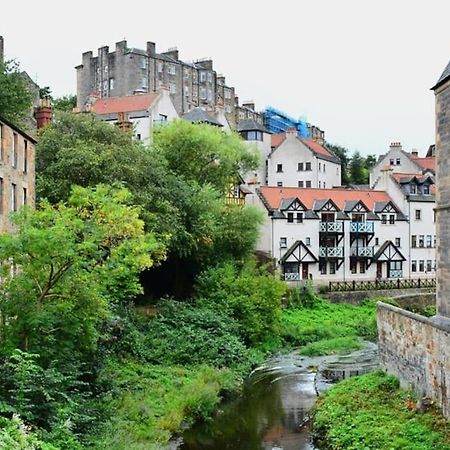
(251, 297)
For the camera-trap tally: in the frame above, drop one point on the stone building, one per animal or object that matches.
(128, 71)
(17, 172)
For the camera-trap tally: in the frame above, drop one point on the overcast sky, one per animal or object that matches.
(360, 70)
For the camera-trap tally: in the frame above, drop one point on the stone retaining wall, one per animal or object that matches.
(417, 350)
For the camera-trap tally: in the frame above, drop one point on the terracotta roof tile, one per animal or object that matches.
(274, 196)
(316, 147)
(428, 163)
(114, 105)
(277, 139)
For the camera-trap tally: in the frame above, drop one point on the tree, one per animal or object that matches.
(15, 98)
(65, 103)
(358, 171)
(342, 154)
(65, 268)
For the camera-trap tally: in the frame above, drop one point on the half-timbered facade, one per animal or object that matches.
(334, 234)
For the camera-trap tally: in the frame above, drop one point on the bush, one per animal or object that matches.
(251, 297)
(303, 297)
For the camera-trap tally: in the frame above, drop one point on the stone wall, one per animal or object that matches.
(416, 350)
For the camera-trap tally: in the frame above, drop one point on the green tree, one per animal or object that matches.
(65, 103)
(15, 98)
(66, 266)
(342, 154)
(370, 161)
(358, 172)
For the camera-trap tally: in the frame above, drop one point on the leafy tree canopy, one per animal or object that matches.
(65, 103)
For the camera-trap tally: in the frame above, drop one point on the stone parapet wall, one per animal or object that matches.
(416, 350)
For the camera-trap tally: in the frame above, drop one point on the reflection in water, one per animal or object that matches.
(271, 413)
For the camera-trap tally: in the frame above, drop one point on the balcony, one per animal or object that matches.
(395, 274)
(362, 227)
(331, 252)
(331, 227)
(292, 276)
(362, 252)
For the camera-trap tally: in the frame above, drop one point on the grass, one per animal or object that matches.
(149, 403)
(371, 412)
(329, 328)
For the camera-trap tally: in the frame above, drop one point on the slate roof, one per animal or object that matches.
(18, 130)
(443, 78)
(199, 115)
(250, 125)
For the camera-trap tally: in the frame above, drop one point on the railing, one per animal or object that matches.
(292, 276)
(395, 274)
(331, 227)
(331, 252)
(361, 227)
(344, 286)
(361, 251)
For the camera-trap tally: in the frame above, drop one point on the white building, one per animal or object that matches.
(300, 162)
(339, 235)
(142, 111)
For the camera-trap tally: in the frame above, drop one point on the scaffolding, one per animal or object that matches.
(277, 121)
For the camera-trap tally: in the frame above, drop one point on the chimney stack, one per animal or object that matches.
(122, 122)
(395, 145)
(415, 153)
(44, 113)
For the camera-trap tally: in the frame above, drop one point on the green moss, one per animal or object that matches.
(372, 412)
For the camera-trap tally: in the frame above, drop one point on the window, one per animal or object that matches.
(353, 266)
(25, 156)
(332, 267)
(254, 136)
(172, 88)
(324, 167)
(383, 218)
(144, 82)
(413, 265)
(323, 267)
(426, 189)
(171, 69)
(24, 196)
(202, 77)
(308, 184)
(203, 95)
(377, 241)
(320, 166)
(13, 197)
(392, 219)
(414, 241)
(434, 241)
(308, 166)
(300, 167)
(421, 265)
(429, 241)
(111, 84)
(418, 214)
(14, 152)
(324, 185)
(308, 241)
(429, 265)
(143, 62)
(227, 94)
(299, 217)
(362, 267)
(397, 242)
(106, 69)
(391, 162)
(138, 136)
(283, 242)
(290, 217)
(279, 167)
(300, 184)
(413, 189)
(320, 185)
(279, 183)
(421, 240)
(397, 161)
(210, 78)
(434, 216)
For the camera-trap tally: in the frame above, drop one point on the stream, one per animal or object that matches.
(272, 412)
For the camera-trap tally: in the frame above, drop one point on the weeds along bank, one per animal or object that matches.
(372, 412)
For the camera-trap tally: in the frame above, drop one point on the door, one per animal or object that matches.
(379, 270)
(305, 271)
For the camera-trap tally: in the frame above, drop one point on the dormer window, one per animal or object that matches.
(426, 189)
(413, 189)
(254, 135)
(290, 217)
(357, 217)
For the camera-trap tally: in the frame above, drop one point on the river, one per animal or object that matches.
(272, 413)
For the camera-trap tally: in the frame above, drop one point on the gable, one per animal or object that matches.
(298, 252)
(292, 205)
(388, 252)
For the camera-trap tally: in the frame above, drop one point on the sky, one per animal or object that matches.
(360, 70)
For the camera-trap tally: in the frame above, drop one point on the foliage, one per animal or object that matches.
(303, 297)
(328, 321)
(187, 335)
(15, 98)
(372, 412)
(204, 154)
(150, 403)
(74, 258)
(250, 297)
(339, 345)
(358, 172)
(65, 103)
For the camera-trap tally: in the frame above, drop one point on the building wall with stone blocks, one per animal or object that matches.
(415, 349)
(17, 172)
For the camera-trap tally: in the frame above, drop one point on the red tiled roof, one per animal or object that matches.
(114, 105)
(316, 148)
(277, 139)
(428, 163)
(307, 196)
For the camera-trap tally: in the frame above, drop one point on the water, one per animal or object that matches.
(272, 413)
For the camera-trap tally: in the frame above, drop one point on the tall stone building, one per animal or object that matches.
(128, 71)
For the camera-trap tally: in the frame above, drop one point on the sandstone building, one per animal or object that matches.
(17, 173)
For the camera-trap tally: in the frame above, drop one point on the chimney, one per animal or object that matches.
(291, 132)
(121, 46)
(415, 153)
(172, 53)
(395, 146)
(249, 104)
(43, 113)
(122, 122)
(2, 49)
(151, 48)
